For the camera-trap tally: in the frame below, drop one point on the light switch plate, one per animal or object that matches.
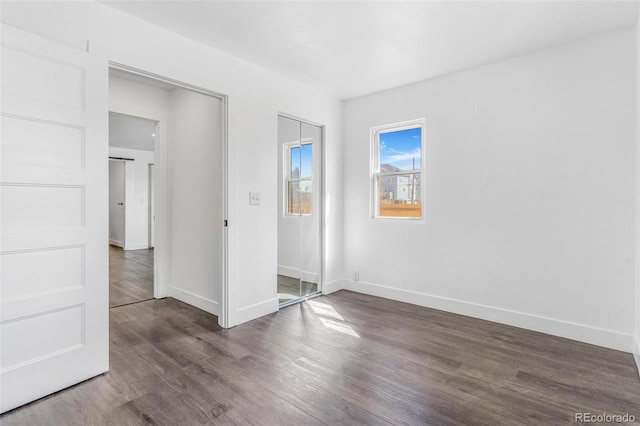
(254, 198)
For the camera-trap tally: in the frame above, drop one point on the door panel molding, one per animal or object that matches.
(53, 236)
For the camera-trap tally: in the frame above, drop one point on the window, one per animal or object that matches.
(299, 177)
(397, 170)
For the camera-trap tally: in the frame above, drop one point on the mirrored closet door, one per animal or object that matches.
(299, 210)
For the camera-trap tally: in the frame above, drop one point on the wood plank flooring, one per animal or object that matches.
(130, 276)
(291, 288)
(346, 359)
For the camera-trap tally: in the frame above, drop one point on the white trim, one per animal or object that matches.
(200, 302)
(140, 246)
(583, 333)
(333, 286)
(116, 243)
(227, 291)
(287, 271)
(308, 276)
(256, 310)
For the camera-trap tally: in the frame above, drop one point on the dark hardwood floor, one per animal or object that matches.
(347, 359)
(130, 276)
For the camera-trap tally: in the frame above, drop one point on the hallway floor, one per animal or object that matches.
(130, 276)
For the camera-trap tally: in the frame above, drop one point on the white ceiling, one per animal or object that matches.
(355, 48)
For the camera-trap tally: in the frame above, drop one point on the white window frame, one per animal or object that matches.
(376, 175)
(287, 174)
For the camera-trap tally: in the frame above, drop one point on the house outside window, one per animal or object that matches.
(397, 173)
(299, 178)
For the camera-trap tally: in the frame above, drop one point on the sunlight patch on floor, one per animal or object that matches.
(324, 309)
(331, 319)
(339, 327)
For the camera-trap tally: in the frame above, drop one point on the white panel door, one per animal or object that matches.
(117, 184)
(53, 225)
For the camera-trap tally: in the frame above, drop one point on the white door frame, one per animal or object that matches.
(124, 205)
(223, 317)
(322, 186)
(151, 171)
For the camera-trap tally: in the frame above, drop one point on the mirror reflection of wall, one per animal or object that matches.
(299, 210)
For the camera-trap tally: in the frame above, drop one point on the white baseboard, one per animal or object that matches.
(142, 246)
(596, 336)
(116, 243)
(288, 272)
(193, 299)
(311, 277)
(257, 310)
(335, 285)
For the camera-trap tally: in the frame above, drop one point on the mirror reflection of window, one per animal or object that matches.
(300, 179)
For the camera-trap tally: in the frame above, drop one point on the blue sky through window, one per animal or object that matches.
(302, 161)
(306, 160)
(401, 149)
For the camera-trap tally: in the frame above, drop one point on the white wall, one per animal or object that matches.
(637, 213)
(255, 98)
(529, 205)
(195, 195)
(137, 196)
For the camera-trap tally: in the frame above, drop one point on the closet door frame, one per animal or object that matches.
(319, 209)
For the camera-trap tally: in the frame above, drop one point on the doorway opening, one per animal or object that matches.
(299, 210)
(180, 189)
(132, 145)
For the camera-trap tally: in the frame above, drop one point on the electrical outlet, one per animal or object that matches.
(356, 275)
(254, 198)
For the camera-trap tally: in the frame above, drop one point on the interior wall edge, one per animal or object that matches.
(637, 195)
(255, 311)
(333, 286)
(193, 299)
(580, 332)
